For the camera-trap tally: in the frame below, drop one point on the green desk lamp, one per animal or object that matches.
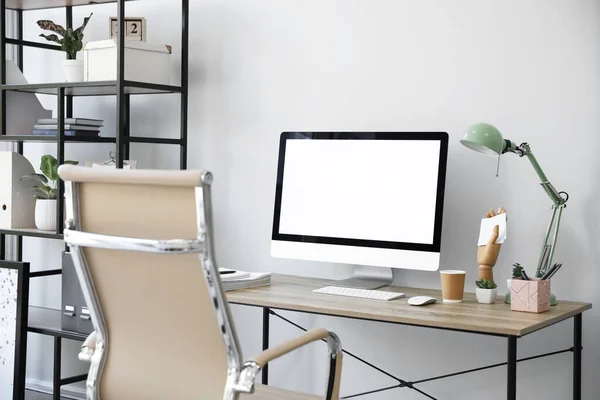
(486, 139)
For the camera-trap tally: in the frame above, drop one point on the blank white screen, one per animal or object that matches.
(361, 189)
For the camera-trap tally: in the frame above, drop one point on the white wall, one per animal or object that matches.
(261, 67)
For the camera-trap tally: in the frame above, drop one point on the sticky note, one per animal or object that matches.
(487, 229)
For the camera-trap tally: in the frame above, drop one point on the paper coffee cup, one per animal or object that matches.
(453, 285)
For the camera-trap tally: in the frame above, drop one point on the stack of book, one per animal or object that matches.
(73, 127)
(235, 280)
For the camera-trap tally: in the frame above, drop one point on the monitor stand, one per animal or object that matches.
(368, 278)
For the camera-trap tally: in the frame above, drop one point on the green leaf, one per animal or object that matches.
(51, 38)
(71, 45)
(71, 162)
(72, 41)
(485, 284)
(79, 31)
(48, 25)
(35, 177)
(49, 167)
(44, 192)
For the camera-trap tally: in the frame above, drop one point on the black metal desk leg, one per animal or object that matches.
(57, 372)
(511, 393)
(265, 342)
(577, 343)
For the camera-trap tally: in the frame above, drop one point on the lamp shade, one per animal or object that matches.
(485, 139)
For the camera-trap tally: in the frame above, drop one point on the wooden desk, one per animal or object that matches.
(295, 294)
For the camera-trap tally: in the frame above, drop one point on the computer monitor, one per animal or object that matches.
(371, 199)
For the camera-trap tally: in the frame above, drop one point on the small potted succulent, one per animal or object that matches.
(517, 273)
(46, 192)
(486, 291)
(71, 42)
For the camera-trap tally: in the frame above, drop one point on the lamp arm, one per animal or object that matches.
(559, 203)
(525, 151)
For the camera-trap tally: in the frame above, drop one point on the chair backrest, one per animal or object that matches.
(163, 339)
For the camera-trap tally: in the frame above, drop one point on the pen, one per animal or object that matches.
(524, 275)
(550, 271)
(545, 276)
(555, 271)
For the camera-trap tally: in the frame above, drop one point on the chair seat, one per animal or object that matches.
(270, 393)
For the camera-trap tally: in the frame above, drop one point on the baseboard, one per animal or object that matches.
(70, 392)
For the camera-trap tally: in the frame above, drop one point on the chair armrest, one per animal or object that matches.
(88, 348)
(271, 354)
(252, 367)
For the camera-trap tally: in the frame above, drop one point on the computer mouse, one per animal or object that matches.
(421, 300)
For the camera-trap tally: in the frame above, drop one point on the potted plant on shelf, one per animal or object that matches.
(486, 291)
(71, 42)
(46, 192)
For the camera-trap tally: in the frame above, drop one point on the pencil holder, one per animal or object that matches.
(530, 296)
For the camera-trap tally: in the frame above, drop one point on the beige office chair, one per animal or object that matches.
(142, 246)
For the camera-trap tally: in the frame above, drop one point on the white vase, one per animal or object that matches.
(73, 70)
(486, 296)
(45, 214)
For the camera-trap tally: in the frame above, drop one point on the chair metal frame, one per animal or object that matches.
(241, 376)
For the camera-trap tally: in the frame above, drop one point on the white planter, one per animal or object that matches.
(73, 70)
(486, 296)
(45, 214)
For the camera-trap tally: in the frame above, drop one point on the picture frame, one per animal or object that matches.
(135, 28)
(14, 301)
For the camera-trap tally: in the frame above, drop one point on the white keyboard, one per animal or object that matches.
(360, 293)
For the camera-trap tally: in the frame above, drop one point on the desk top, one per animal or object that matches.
(295, 293)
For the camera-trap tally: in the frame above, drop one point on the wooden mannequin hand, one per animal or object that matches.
(488, 254)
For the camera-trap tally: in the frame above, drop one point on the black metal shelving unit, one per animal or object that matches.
(42, 320)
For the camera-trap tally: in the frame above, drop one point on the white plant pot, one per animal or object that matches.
(45, 214)
(486, 296)
(73, 70)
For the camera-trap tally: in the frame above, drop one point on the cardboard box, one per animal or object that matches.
(144, 62)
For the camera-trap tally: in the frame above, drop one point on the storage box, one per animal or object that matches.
(144, 62)
(22, 109)
(530, 296)
(17, 201)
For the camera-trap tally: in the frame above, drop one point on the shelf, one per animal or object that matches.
(75, 139)
(152, 140)
(33, 44)
(32, 232)
(70, 139)
(33, 395)
(97, 88)
(41, 4)
(46, 321)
